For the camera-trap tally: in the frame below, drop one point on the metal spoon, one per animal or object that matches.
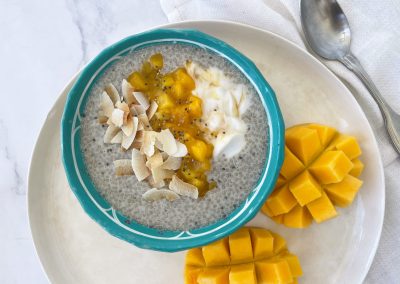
(328, 33)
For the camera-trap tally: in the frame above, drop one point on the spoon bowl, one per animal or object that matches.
(326, 28)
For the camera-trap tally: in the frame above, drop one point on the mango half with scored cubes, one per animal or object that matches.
(320, 171)
(248, 256)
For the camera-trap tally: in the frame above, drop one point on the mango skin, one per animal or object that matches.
(249, 256)
(321, 170)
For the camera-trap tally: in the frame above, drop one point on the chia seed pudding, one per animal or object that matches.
(235, 177)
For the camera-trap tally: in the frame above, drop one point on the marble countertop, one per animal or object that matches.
(44, 43)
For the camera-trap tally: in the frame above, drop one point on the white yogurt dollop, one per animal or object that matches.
(224, 104)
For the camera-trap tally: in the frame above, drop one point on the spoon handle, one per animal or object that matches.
(390, 117)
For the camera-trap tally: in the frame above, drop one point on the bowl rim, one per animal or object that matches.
(110, 219)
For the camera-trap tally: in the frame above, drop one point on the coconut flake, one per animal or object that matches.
(182, 150)
(145, 121)
(106, 104)
(123, 167)
(172, 163)
(139, 135)
(149, 138)
(127, 140)
(141, 98)
(117, 139)
(152, 109)
(128, 127)
(117, 117)
(155, 184)
(154, 161)
(112, 93)
(139, 165)
(160, 174)
(110, 133)
(167, 141)
(127, 92)
(102, 118)
(183, 188)
(155, 194)
(138, 109)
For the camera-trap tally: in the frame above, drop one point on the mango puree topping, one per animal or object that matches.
(180, 112)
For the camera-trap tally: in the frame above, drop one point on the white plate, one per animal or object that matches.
(74, 249)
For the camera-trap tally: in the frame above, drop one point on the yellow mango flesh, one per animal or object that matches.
(343, 193)
(256, 256)
(322, 209)
(305, 188)
(331, 167)
(320, 170)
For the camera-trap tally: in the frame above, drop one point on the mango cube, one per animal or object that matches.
(280, 181)
(357, 169)
(240, 246)
(279, 243)
(191, 274)
(325, 133)
(273, 272)
(262, 243)
(347, 144)
(298, 217)
(217, 253)
(294, 264)
(322, 209)
(342, 194)
(214, 276)
(195, 257)
(331, 167)
(281, 201)
(291, 165)
(156, 61)
(304, 143)
(305, 188)
(245, 273)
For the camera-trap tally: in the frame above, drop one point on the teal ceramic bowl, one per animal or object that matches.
(109, 218)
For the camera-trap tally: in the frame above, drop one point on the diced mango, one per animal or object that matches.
(278, 218)
(195, 108)
(164, 101)
(273, 272)
(265, 209)
(138, 82)
(325, 133)
(245, 273)
(191, 273)
(195, 257)
(347, 144)
(298, 217)
(258, 256)
(184, 78)
(199, 150)
(331, 167)
(217, 253)
(357, 169)
(240, 246)
(262, 243)
(156, 61)
(322, 209)
(214, 276)
(281, 201)
(294, 264)
(343, 193)
(291, 165)
(280, 181)
(305, 188)
(279, 243)
(178, 91)
(304, 143)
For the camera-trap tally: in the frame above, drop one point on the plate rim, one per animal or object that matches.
(226, 22)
